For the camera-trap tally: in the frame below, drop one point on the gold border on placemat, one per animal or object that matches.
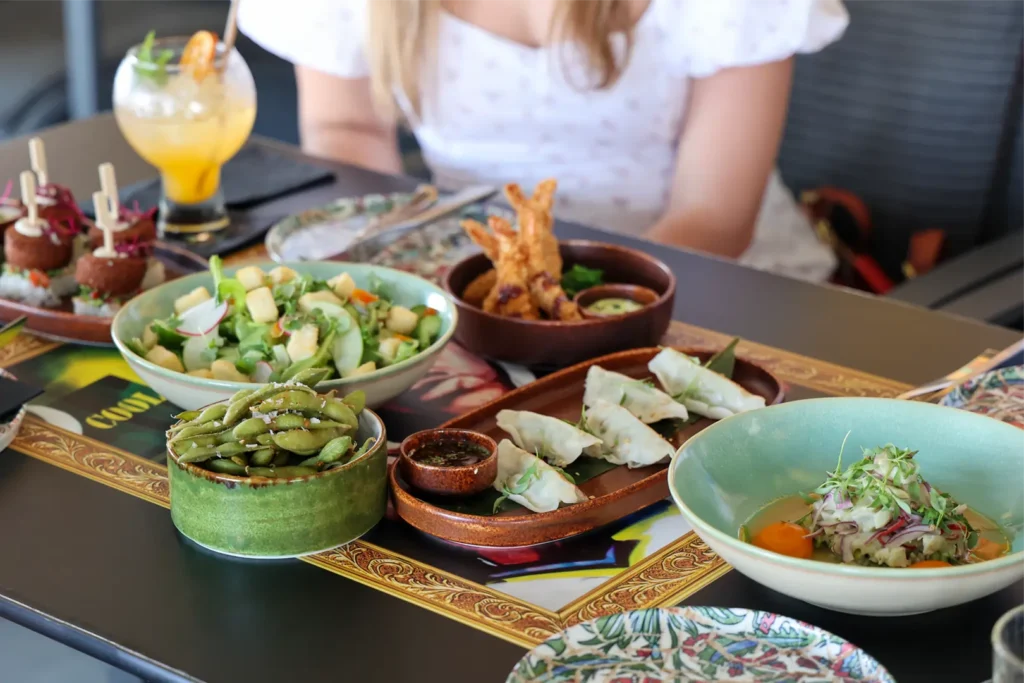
(23, 347)
(666, 577)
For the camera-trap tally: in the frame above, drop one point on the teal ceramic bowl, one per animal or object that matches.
(732, 469)
(259, 517)
(194, 392)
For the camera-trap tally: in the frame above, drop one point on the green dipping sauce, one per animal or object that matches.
(613, 306)
(450, 453)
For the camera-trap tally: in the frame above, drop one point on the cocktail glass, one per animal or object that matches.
(187, 122)
(1008, 648)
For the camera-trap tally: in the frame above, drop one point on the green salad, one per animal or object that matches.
(269, 326)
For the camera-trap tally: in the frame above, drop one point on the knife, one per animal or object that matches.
(9, 331)
(387, 234)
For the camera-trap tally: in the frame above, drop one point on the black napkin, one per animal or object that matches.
(255, 175)
(13, 395)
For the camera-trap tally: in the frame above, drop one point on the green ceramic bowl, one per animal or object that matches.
(194, 392)
(729, 471)
(258, 517)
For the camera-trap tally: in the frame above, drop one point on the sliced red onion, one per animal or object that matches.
(908, 535)
(844, 528)
(815, 534)
(844, 504)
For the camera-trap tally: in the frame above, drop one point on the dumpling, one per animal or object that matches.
(703, 391)
(627, 440)
(642, 399)
(557, 441)
(531, 482)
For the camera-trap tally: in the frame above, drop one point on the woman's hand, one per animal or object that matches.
(337, 121)
(730, 140)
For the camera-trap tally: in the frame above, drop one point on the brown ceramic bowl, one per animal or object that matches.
(644, 296)
(557, 343)
(448, 480)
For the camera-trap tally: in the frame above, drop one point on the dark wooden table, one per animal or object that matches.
(105, 573)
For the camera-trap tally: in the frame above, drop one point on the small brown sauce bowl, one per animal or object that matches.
(645, 296)
(448, 480)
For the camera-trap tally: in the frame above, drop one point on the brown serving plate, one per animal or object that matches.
(555, 343)
(614, 494)
(61, 324)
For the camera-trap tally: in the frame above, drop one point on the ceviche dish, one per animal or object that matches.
(270, 326)
(880, 511)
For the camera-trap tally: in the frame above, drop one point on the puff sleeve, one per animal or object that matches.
(326, 35)
(719, 34)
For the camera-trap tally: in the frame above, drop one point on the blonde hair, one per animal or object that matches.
(403, 39)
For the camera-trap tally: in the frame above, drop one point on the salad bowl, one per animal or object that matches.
(727, 473)
(380, 386)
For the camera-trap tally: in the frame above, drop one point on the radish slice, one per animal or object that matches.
(261, 375)
(202, 319)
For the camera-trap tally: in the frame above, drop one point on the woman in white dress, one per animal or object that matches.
(659, 118)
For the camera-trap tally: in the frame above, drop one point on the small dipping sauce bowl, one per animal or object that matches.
(615, 299)
(449, 462)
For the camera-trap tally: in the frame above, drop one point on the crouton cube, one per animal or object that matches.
(260, 303)
(364, 369)
(251, 277)
(307, 302)
(343, 285)
(281, 275)
(388, 349)
(191, 300)
(165, 359)
(401, 320)
(223, 369)
(204, 374)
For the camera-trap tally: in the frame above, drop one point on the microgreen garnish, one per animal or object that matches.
(148, 65)
(579, 278)
(519, 488)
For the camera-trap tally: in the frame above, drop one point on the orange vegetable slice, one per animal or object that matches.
(363, 297)
(199, 54)
(988, 550)
(785, 538)
(929, 564)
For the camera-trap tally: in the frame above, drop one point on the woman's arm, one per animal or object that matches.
(726, 154)
(337, 121)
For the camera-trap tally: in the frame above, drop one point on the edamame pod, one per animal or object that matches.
(240, 395)
(334, 449)
(211, 414)
(303, 441)
(280, 458)
(226, 467)
(222, 451)
(196, 442)
(262, 457)
(186, 416)
(265, 439)
(239, 408)
(355, 400)
(197, 430)
(250, 428)
(337, 410)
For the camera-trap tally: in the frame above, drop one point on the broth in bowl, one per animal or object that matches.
(878, 512)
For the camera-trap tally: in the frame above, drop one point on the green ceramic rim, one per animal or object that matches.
(903, 574)
(187, 379)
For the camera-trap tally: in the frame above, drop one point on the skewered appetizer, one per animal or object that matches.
(56, 203)
(134, 232)
(39, 255)
(106, 277)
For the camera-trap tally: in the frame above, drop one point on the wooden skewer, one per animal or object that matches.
(108, 183)
(230, 32)
(103, 219)
(28, 196)
(37, 155)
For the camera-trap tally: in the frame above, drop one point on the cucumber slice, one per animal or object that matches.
(347, 350)
(427, 330)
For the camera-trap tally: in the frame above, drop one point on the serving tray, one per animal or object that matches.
(614, 494)
(61, 324)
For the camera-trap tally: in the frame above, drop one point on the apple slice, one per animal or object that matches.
(347, 350)
(202, 319)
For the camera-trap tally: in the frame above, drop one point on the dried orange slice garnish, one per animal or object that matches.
(199, 54)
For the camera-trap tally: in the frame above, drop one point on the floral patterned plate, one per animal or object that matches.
(9, 430)
(998, 394)
(696, 645)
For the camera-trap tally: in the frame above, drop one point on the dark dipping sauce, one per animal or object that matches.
(450, 454)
